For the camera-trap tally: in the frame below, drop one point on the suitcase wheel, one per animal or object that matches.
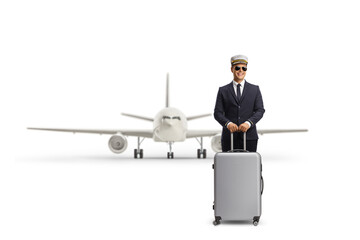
(256, 221)
(217, 221)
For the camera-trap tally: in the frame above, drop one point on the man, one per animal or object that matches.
(239, 106)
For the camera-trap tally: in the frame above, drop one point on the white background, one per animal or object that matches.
(79, 64)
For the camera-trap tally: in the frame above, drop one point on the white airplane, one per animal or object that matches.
(169, 125)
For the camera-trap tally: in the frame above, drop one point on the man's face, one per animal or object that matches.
(239, 75)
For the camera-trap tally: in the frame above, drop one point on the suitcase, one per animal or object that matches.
(238, 185)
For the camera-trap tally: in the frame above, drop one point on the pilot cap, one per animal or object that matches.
(239, 59)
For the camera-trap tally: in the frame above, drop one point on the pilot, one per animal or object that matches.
(239, 106)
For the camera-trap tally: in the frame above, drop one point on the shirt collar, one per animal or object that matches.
(242, 83)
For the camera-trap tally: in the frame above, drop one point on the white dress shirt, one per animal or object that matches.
(241, 86)
(242, 83)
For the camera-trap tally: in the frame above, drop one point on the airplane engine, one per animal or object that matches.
(118, 143)
(216, 143)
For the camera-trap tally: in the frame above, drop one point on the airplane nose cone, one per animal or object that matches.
(168, 122)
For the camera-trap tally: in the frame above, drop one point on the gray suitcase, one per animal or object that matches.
(238, 185)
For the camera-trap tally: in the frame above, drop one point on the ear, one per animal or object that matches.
(232, 69)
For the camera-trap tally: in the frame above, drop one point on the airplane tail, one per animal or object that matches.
(167, 104)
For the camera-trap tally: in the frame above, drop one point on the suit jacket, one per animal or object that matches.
(229, 109)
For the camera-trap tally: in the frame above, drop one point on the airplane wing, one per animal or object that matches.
(210, 133)
(149, 133)
(266, 131)
(134, 133)
(198, 116)
(202, 133)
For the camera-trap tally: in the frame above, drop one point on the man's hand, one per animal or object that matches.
(243, 127)
(232, 127)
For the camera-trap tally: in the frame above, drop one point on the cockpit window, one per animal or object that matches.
(167, 117)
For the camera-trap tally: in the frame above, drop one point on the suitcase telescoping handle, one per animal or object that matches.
(232, 144)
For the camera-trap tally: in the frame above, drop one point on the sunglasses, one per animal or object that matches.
(237, 68)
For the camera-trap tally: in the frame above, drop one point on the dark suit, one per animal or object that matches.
(229, 109)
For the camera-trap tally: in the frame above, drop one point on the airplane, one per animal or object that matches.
(169, 125)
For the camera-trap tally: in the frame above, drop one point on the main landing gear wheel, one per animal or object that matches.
(170, 155)
(201, 153)
(138, 153)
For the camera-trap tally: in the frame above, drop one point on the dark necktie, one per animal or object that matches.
(238, 92)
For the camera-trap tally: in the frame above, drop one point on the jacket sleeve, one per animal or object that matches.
(219, 111)
(258, 109)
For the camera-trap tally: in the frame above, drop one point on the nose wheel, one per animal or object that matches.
(171, 153)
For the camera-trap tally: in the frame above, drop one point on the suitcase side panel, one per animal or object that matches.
(237, 178)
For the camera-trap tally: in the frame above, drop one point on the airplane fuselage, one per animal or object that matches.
(170, 125)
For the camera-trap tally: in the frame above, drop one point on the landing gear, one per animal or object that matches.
(171, 153)
(139, 153)
(201, 152)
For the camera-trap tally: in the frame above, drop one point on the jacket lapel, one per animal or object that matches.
(231, 90)
(245, 90)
